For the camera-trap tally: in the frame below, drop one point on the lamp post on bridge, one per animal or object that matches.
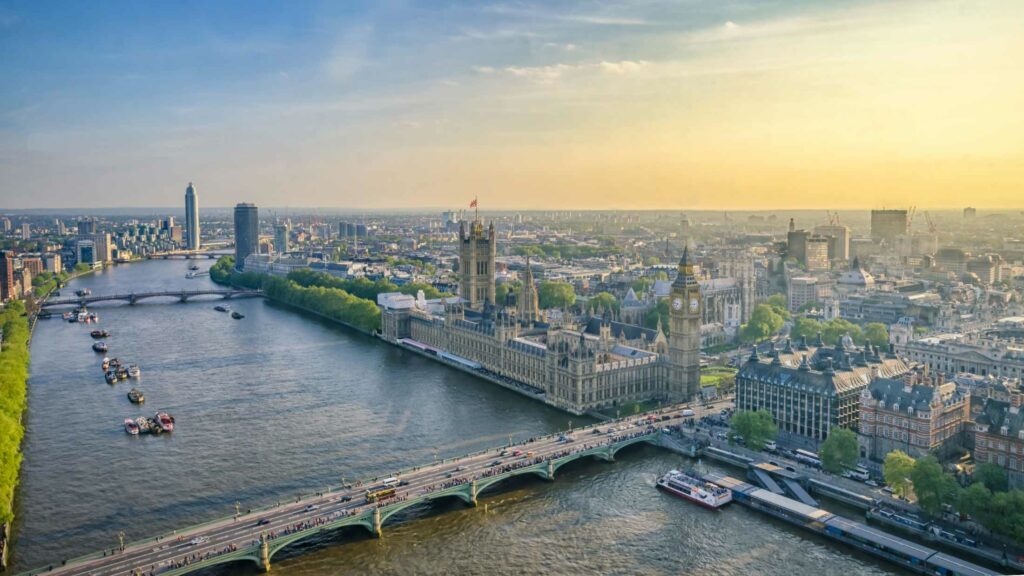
(238, 511)
(120, 540)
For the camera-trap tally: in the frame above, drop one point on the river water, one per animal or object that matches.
(279, 404)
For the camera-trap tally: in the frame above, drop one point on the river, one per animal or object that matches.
(280, 403)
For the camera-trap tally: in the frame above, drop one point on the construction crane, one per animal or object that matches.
(931, 223)
(833, 217)
(910, 217)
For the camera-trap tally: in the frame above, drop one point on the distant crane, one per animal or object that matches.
(931, 223)
(910, 217)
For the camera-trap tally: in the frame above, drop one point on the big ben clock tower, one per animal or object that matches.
(684, 338)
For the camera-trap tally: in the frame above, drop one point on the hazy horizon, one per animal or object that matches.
(528, 106)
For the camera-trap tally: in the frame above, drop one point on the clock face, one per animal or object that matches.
(677, 304)
(694, 304)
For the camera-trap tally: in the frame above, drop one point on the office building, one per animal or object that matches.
(809, 389)
(887, 225)
(918, 413)
(33, 264)
(85, 252)
(26, 231)
(816, 250)
(86, 227)
(6, 276)
(192, 218)
(838, 240)
(247, 232)
(5, 224)
(281, 238)
(53, 262)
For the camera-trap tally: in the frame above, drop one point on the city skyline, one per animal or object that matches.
(577, 106)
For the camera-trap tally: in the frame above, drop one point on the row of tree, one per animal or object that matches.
(14, 359)
(766, 320)
(45, 282)
(987, 499)
(334, 303)
(361, 287)
(832, 330)
(317, 292)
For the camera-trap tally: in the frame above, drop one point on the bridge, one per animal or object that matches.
(135, 297)
(258, 535)
(183, 255)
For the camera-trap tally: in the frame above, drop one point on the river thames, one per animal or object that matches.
(279, 404)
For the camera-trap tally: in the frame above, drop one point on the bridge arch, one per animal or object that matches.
(649, 439)
(462, 492)
(537, 469)
(277, 544)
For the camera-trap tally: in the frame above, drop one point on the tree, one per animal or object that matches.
(658, 312)
(756, 427)
(777, 302)
(652, 261)
(992, 476)
(839, 451)
(502, 290)
(805, 327)
(556, 294)
(81, 267)
(896, 471)
(641, 285)
(603, 301)
(836, 328)
(876, 333)
(933, 486)
(975, 501)
(764, 322)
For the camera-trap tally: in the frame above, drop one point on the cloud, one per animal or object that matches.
(731, 31)
(540, 73)
(484, 69)
(623, 67)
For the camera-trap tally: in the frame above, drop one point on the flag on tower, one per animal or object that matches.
(473, 203)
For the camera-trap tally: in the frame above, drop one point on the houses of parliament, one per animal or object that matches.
(576, 365)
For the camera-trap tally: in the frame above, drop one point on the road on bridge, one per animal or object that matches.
(194, 545)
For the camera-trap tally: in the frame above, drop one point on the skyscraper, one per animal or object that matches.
(247, 232)
(887, 225)
(6, 276)
(281, 238)
(192, 218)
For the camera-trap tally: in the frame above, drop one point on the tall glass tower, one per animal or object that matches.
(247, 232)
(191, 218)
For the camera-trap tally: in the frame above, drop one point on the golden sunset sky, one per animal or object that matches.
(680, 105)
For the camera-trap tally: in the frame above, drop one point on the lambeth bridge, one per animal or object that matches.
(256, 536)
(135, 297)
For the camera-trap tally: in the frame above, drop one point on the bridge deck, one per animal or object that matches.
(132, 297)
(258, 535)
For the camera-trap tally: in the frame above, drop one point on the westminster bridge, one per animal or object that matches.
(256, 536)
(135, 297)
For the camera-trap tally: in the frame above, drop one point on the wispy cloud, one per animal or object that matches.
(594, 18)
(553, 72)
(350, 54)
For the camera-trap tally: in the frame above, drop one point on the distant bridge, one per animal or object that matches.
(135, 297)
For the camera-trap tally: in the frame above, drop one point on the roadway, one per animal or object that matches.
(175, 553)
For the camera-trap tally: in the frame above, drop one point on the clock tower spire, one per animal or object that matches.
(685, 309)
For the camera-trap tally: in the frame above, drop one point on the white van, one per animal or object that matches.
(390, 481)
(687, 412)
(771, 446)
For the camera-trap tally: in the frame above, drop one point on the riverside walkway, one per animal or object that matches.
(258, 535)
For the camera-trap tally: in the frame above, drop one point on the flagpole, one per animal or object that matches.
(476, 206)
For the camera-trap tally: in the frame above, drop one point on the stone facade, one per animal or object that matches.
(477, 250)
(593, 364)
(999, 439)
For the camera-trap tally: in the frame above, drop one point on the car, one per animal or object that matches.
(596, 431)
(496, 463)
(346, 498)
(887, 489)
(263, 521)
(403, 482)
(198, 540)
(871, 483)
(448, 475)
(310, 508)
(790, 468)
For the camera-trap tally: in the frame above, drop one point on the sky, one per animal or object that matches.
(644, 104)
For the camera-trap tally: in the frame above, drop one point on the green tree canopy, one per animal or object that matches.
(876, 333)
(556, 295)
(804, 327)
(603, 301)
(836, 328)
(756, 427)
(896, 471)
(778, 304)
(933, 486)
(839, 451)
(992, 476)
(764, 322)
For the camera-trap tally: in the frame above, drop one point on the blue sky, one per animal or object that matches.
(531, 105)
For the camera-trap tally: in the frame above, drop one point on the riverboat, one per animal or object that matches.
(99, 346)
(694, 489)
(193, 267)
(165, 421)
(131, 427)
(237, 315)
(134, 371)
(110, 376)
(83, 292)
(135, 396)
(99, 334)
